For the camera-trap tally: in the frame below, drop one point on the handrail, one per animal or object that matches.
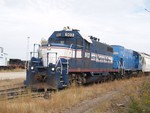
(48, 56)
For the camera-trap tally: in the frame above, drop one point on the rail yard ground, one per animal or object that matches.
(12, 75)
(119, 96)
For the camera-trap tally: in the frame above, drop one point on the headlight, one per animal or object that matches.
(32, 68)
(53, 69)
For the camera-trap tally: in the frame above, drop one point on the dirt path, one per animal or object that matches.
(88, 105)
(118, 97)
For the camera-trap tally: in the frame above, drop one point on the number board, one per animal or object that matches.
(66, 34)
(58, 35)
(69, 35)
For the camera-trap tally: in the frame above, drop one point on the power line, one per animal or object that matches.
(147, 10)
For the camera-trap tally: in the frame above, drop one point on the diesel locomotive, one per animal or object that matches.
(69, 56)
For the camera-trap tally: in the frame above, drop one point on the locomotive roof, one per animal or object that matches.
(75, 31)
(87, 38)
(145, 54)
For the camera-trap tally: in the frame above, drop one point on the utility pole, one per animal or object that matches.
(27, 54)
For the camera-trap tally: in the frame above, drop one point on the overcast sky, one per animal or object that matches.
(121, 22)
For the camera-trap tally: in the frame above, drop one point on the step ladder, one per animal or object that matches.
(64, 72)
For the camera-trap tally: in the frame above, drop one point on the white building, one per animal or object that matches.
(3, 57)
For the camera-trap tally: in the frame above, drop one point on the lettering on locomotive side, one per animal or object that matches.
(115, 53)
(87, 55)
(93, 57)
(101, 58)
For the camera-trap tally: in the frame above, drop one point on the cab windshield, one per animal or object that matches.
(67, 41)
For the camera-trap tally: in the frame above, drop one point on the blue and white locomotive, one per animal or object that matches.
(68, 56)
(126, 60)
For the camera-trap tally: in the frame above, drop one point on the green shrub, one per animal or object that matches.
(134, 107)
(142, 103)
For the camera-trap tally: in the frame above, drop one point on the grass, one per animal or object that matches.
(134, 97)
(9, 82)
(141, 102)
(67, 98)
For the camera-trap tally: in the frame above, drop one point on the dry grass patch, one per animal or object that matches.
(67, 98)
(127, 97)
(8, 82)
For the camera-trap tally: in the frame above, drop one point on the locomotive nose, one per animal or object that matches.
(41, 77)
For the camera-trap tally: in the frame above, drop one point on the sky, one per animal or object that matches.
(115, 22)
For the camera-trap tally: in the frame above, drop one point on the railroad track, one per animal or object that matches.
(19, 92)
